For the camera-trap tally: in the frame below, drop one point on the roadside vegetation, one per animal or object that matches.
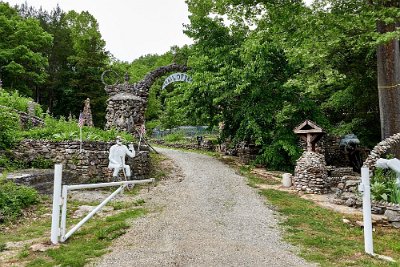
(91, 241)
(321, 234)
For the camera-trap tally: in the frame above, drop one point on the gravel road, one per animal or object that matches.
(208, 217)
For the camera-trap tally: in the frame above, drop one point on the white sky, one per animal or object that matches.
(131, 28)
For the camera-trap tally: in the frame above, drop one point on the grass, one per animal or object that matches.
(92, 240)
(254, 180)
(324, 238)
(320, 233)
(198, 151)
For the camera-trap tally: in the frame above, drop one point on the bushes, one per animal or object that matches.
(15, 101)
(14, 198)
(175, 137)
(383, 186)
(62, 130)
(9, 125)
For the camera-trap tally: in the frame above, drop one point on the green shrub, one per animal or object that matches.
(175, 137)
(42, 163)
(9, 125)
(15, 101)
(63, 130)
(11, 164)
(150, 125)
(14, 198)
(383, 186)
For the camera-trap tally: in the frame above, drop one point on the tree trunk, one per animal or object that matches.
(388, 56)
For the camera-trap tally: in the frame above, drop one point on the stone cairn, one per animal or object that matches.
(127, 102)
(87, 113)
(311, 175)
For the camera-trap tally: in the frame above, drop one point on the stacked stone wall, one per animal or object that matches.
(247, 153)
(89, 165)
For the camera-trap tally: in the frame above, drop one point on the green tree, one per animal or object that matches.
(22, 42)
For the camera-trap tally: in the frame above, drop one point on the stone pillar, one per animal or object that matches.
(87, 113)
(311, 175)
(125, 112)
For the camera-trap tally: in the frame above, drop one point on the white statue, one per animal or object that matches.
(393, 164)
(117, 158)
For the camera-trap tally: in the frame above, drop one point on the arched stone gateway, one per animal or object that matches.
(380, 149)
(127, 103)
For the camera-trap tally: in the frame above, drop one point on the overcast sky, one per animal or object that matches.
(131, 28)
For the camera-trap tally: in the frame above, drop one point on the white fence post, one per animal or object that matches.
(55, 217)
(366, 189)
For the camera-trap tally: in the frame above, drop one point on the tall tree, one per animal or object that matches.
(388, 54)
(22, 42)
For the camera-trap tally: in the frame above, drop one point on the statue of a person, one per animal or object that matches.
(117, 156)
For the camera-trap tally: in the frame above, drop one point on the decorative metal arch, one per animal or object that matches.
(104, 74)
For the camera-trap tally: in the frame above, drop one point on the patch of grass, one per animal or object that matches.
(92, 240)
(157, 170)
(24, 253)
(41, 262)
(324, 238)
(254, 180)
(14, 199)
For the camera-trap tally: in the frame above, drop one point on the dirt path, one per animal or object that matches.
(208, 218)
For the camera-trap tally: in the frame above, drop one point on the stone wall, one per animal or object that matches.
(89, 165)
(125, 111)
(247, 152)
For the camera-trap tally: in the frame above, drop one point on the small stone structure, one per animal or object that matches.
(89, 165)
(247, 152)
(311, 175)
(127, 102)
(87, 113)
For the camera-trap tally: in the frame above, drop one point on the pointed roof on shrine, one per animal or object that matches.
(308, 127)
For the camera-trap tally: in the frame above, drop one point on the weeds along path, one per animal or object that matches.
(209, 217)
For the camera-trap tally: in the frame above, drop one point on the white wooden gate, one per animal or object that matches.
(60, 195)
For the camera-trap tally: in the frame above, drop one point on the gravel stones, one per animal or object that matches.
(210, 218)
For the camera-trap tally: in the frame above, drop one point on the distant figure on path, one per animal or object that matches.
(117, 156)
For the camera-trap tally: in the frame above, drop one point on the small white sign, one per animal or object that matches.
(176, 77)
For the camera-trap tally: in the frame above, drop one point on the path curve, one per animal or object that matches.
(208, 218)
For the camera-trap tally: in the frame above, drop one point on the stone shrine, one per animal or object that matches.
(311, 174)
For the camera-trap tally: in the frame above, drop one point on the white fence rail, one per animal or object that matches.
(60, 195)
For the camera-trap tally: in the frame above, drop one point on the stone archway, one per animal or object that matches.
(127, 103)
(380, 149)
